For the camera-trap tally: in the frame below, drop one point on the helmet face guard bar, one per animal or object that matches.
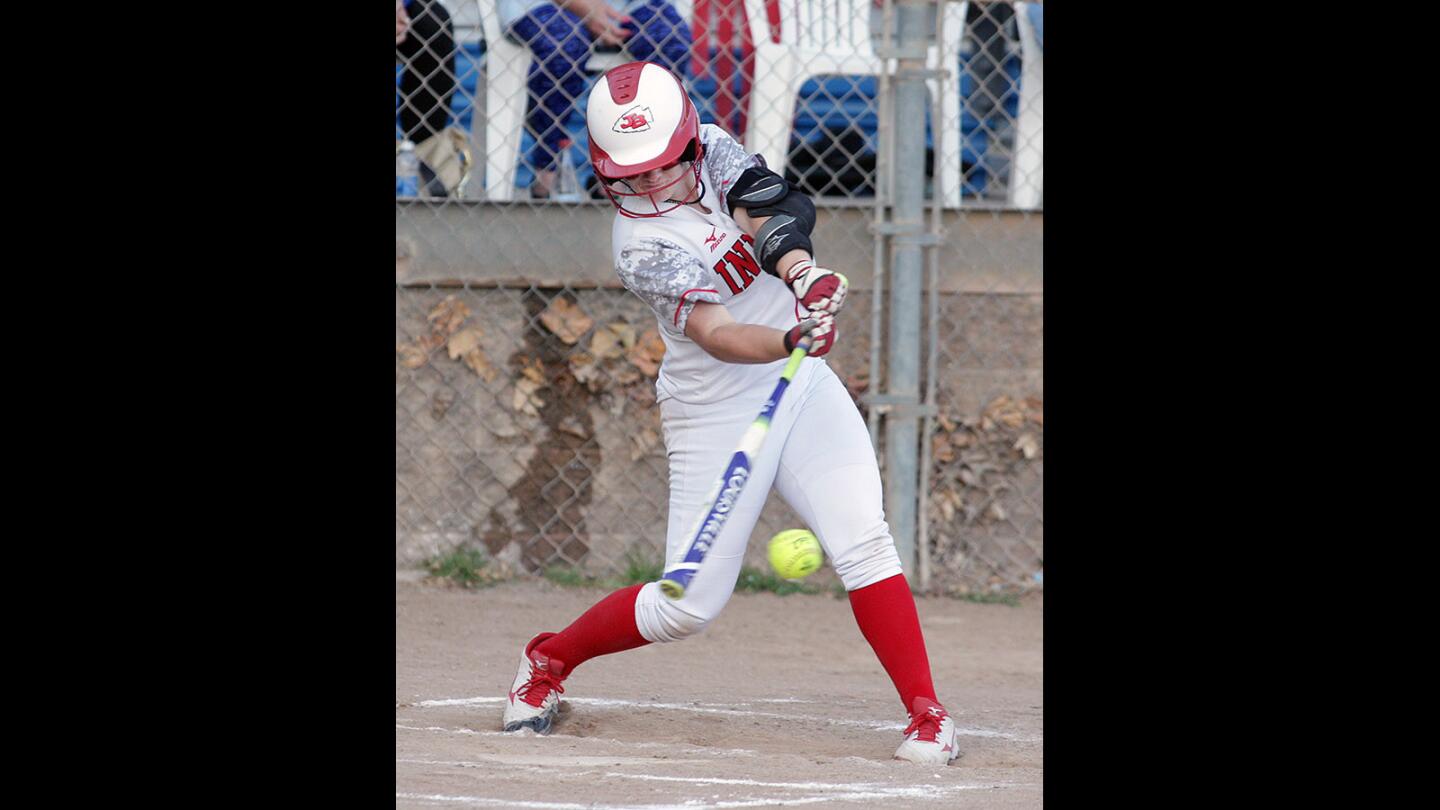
(658, 196)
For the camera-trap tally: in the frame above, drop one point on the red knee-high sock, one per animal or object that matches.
(607, 627)
(886, 614)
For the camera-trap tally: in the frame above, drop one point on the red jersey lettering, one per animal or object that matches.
(729, 282)
(742, 261)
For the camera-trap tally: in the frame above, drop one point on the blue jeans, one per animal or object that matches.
(561, 46)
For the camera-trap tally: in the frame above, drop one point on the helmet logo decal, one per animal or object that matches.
(635, 119)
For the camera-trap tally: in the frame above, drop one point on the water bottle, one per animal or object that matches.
(567, 183)
(407, 171)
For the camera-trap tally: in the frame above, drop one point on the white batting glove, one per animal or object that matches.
(819, 290)
(821, 330)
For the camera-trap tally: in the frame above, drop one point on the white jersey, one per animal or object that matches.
(683, 257)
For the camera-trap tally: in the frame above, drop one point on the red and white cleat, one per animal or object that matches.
(535, 694)
(930, 738)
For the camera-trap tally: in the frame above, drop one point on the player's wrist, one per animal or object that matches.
(786, 266)
(788, 339)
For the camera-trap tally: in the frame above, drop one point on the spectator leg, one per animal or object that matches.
(661, 36)
(561, 45)
(429, 77)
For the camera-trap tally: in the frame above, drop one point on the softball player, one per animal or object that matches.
(719, 247)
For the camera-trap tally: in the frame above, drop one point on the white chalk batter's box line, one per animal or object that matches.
(711, 752)
(610, 703)
(858, 791)
(440, 800)
(904, 791)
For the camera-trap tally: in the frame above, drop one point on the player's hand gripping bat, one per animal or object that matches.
(726, 493)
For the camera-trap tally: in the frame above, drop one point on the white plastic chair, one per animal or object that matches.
(506, 67)
(824, 37)
(1027, 169)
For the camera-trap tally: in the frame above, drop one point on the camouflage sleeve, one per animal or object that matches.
(725, 161)
(667, 277)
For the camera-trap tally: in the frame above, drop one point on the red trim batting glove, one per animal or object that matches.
(818, 289)
(821, 330)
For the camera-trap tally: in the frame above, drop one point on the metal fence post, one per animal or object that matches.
(916, 32)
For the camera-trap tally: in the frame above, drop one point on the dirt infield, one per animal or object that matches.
(781, 702)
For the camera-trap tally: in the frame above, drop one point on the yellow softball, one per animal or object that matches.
(795, 553)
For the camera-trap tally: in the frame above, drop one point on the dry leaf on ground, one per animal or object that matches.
(1027, 445)
(625, 332)
(533, 370)
(447, 315)
(411, 356)
(587, 372)
(947, 509)
(643, 442)
(642, 395)
(940, 449)
(526, 400)
(464, 341)
(647, 353)
(480, 364)
(607, 345)
(1006, 411)
(566, 320)
(571, 425)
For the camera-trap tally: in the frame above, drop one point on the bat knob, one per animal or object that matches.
(673, 583)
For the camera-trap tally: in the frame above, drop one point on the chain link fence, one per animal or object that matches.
(524, 376)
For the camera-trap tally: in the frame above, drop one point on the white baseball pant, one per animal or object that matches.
(818, 456)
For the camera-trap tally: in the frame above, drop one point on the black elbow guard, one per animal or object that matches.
(764, 193)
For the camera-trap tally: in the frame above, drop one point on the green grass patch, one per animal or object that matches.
(572, 578)
(987, 598)
(640, 568)
(755, 580)
(465, 566)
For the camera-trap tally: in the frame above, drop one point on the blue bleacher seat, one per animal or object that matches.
(975, 134)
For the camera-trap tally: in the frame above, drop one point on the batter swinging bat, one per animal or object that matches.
(727, 490)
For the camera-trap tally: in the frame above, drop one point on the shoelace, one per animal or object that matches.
(535, 690)
(927, 724)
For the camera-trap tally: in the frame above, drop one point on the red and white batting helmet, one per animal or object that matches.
(640, 119)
